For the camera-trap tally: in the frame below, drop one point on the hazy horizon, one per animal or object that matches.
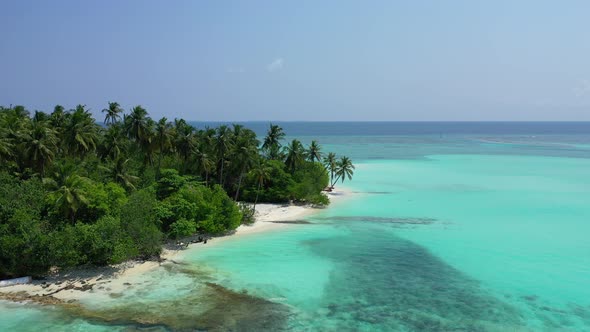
(302, 61)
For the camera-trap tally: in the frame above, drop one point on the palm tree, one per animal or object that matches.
(185, 141)
(40, 116)
(40, 145)
(58, 116)
(222, 145)
(80, 132)
(147, 142)
(58, 119)
(205, 163)
(119, 172)
(344, 169)
(20, 111)
(136, 124)
(330, 163)
(69, 195)
(163, 138)
(314, 151)
(295, 155)
(238, 131)
(272, 142)
(113, 143)
(14, 122)
(245, 151)
(262, 173)
(112, 112)
(6, 147)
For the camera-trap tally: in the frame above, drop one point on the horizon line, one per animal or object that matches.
(396, 121)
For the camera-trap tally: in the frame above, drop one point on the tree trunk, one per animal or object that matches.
(159, 161)
(333, 183)
(239, 184)
(184, 162)
(257, 192)
(221, 173)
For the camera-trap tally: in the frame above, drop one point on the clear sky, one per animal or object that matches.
(301, 60)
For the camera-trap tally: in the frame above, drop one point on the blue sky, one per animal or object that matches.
(302, 60)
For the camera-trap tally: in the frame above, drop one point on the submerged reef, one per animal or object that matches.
(384, 282)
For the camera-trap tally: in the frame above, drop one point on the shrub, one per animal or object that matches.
(104, 242)
(168, 183)
(225, 215)
(138, 220)
(182, 228)
(309, 181)
(248, 212)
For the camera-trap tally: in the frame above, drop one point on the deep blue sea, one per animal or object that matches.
(387, 128)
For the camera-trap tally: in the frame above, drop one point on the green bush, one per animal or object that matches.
(276, 188)
(168, 183)
(64, 247)
(23, 238)
(247, 211)
(22, 245)
(225, 215)
(139, 222)
(309, 182)
(104, 242)
(182, 228)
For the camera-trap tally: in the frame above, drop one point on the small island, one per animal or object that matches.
(75, 193)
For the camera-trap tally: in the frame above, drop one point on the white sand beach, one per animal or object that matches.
(79, 284)
(269, 216)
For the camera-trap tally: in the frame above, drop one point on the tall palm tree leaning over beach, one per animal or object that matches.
(344, 169)
(330, 163)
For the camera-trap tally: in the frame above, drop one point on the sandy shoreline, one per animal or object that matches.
(78, 284)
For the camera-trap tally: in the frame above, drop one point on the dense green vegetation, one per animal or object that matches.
(74, 192)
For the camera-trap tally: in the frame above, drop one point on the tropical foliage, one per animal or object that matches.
(73, 191)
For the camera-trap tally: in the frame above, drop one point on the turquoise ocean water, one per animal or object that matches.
(450, 227)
